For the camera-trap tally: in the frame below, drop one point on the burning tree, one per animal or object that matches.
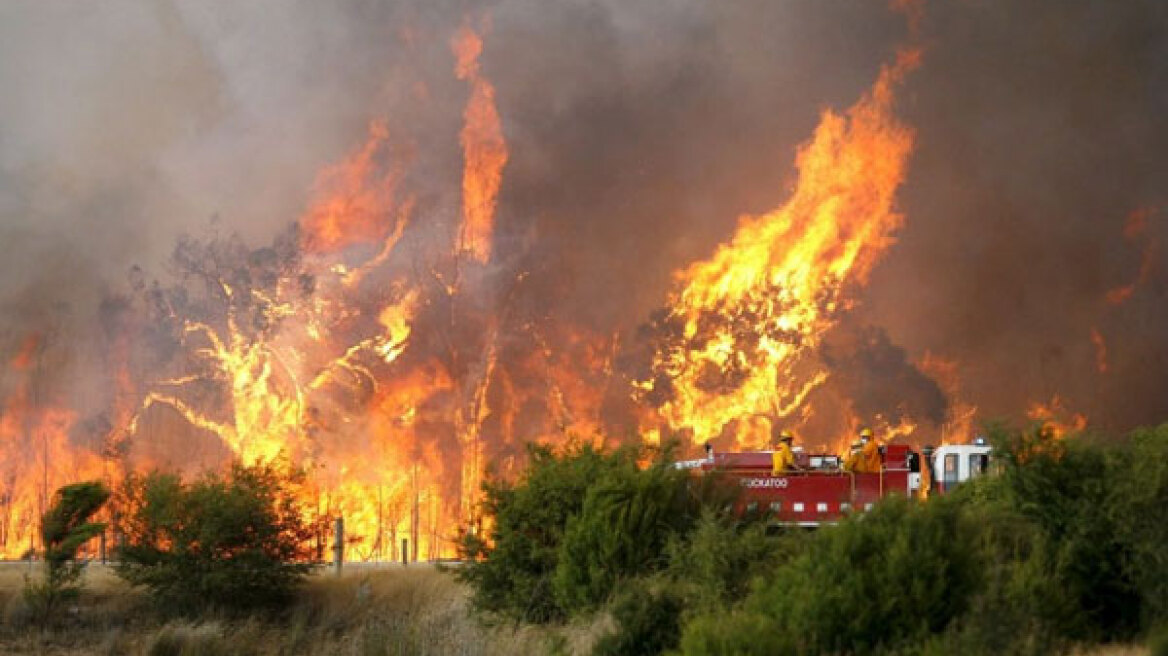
(388, 345)
(738, 341)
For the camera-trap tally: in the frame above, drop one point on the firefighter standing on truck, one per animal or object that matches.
(853, 458)
(783, 459)
(869, 462)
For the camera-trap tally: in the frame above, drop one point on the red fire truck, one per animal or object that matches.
(820, 492)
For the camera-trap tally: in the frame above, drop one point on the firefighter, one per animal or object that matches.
(783, 459)
(853, 458)
(869, 462)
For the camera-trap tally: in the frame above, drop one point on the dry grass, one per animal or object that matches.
(1115, 650)
(370, 611)
(392, 610)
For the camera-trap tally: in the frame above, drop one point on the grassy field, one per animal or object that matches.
(388, 610)
(369, 611)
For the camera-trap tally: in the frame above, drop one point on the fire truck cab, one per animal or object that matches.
(953, 464)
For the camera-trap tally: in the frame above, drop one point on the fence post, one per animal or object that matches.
(339, 544)
(405, 551)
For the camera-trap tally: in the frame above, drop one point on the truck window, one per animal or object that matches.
(949, 475)
(978, 462)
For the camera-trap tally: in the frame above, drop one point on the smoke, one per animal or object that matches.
(1041, 128)
(638, 133)
(878, 378)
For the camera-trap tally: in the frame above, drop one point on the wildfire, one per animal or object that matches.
(1134, 230)
(36, 456)
(1100, 350)
(371, 349)
(1056, 417)
(316, 365)
(749, 316)
(958, 426)
(355, 198)
(484, 150)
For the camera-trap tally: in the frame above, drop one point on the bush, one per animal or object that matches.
(895, 574)
(1066, 487)
(1063, 546)
(621, 532)
(236, 542)
(716, 561)
(648, 618)
(734, 633)
(64, 529)
(1138, 490)
(1007, 615)
(1158, 641)
(511, 571)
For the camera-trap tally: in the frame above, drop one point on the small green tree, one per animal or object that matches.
(1068, 489)
(621, 532)
(64, 529)
(648, 616)
(888, 577)
(510, 571)
(1138, 492)
(235, 542)
(716, 561)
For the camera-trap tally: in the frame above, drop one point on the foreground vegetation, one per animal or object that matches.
(1063, 549)
(589, 551)
(417, 610)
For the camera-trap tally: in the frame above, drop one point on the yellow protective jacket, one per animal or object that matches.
(782, 459)
(852, 461)
(869, 458)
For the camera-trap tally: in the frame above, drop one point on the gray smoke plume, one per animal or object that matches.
(639, 131)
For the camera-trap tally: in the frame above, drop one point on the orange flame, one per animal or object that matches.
(395, 439)
(484, 149)
(958, 426)
(1134, 228)
(24, 358)
(1056, 417)
(753, 311)
(36, 455)
(1100, 350)
(354, 202)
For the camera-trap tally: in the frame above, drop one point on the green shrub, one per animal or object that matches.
(64, 529)
(895, 574)
(235, 542)
(1065, 486)
(648, 617)
(735, 633)
(715, 562)
(511, 570)
(1007, 615)
(1063, 546)
(1158, 641)
(1138, 498)
(621, 532)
